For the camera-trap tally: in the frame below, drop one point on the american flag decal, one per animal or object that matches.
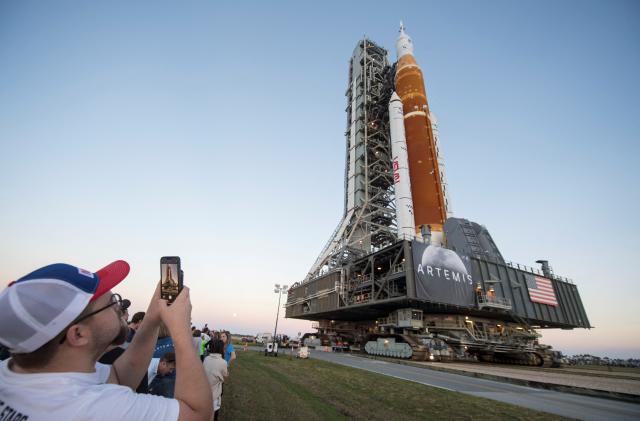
(541, 290)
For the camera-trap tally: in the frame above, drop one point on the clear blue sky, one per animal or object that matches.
(216, 132)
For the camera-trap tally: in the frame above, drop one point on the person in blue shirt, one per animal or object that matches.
(164, 383)
(229, 351)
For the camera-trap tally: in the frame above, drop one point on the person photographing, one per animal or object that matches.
(58, 320)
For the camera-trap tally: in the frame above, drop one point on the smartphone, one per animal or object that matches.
(170, 278)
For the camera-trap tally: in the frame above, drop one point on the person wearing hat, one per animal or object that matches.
(59, 319)
(125, 311)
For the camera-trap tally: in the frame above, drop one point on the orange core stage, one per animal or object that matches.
(426, 184)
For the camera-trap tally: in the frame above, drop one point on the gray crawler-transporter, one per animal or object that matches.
(463, 301)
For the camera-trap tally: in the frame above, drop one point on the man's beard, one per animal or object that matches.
(122, 335)
(104, 340)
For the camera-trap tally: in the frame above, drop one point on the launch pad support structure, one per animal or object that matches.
(368, 222)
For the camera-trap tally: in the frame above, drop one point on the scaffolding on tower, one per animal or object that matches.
(369, 220)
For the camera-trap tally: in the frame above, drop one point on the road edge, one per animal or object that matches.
(626, 397)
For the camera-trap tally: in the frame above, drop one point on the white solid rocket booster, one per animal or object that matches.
(400, 161)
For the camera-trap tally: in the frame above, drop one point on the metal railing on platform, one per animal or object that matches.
(494, 302)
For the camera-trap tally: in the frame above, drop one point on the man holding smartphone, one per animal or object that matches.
(59, 319)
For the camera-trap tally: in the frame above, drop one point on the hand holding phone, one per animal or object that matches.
(170, 278)
(177, 317)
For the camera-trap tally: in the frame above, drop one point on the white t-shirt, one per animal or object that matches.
(77, 396)
(152, 371)
(196, 343)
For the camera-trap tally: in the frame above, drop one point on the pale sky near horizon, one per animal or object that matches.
(215, 131)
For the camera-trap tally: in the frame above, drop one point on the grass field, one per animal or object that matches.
(282, 388)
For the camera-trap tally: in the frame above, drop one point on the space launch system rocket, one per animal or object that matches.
(393, 167)
(426, 179)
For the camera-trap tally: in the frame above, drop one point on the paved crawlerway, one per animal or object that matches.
(565, 404)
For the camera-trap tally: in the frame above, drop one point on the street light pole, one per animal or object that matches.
(278, 290)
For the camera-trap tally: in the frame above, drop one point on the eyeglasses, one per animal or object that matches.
(115, 299)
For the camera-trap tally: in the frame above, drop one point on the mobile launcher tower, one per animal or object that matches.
(399, 276)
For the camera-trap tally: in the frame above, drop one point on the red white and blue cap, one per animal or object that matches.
(37, 307)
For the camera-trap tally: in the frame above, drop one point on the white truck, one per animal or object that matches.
(263, 338)
(271, 349)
